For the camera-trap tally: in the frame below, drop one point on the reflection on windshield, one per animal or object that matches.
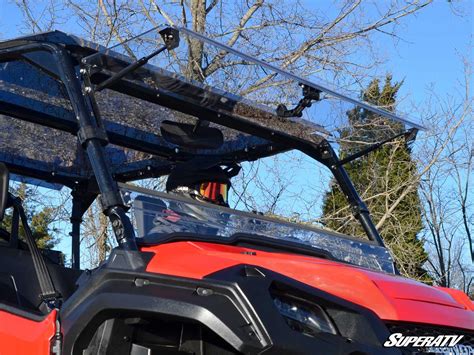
(156, 215)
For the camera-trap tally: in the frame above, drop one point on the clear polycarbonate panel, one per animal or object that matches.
(156, 215)
(244, 79)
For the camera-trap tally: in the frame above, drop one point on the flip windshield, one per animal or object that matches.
(234, 77)
(159, 217)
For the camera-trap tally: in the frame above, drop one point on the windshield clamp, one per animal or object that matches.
(87, 133)
(310, 94)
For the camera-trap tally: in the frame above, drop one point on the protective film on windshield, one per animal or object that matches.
(156, 215)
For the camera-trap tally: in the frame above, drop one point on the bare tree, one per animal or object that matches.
(96, 237)
(446, 189)
(284, 32)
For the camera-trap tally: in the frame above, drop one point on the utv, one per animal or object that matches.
(210, 280)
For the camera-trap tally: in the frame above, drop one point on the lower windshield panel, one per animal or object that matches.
(156, 215)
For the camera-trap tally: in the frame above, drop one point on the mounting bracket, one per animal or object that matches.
(310, 94)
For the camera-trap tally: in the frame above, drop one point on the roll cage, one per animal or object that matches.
(56, 81)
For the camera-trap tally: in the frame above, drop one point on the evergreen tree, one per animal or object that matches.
(380, 177)
(39, 221)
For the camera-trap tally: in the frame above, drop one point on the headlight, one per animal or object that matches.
(304, 317)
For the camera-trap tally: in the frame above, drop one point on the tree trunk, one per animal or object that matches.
(196, 47)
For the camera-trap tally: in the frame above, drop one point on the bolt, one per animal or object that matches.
(201, 291)
(141, 282)
(88, 89)
(82, 71)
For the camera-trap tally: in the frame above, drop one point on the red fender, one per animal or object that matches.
(21, 336)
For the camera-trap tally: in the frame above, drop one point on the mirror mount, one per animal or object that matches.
(309, 95)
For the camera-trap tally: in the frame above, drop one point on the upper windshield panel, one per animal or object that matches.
(156, 215)
(262, 84)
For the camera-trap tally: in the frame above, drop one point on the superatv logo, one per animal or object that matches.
(441, 341)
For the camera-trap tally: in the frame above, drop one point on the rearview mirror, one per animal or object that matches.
(4, 182)
(191, 136)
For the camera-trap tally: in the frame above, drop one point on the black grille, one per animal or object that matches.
(430, 330)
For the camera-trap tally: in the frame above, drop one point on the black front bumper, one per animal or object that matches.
(235, 304)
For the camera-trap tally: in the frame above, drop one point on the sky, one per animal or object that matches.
(429, 47)
(427, 54)
(430, 53)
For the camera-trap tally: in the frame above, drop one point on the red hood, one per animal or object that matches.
(392, 298)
